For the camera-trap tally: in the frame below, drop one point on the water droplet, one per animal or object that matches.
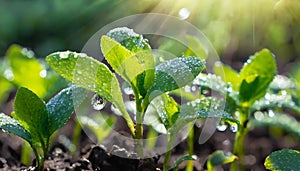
(127, 89)
(271, 113)
(194, 88)
(43, 73)
(64, 55)
(187, 88)
(222, 126)
(259, 115)
(98, 102)
(183, 13)
(233, 128)
(8, 74)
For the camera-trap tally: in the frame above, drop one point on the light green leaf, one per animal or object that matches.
(219, 158)
(26, 70)
(89, 74)
(167, 109)
(279, 120)
(227, 74)
(182, 159)
(62, 105)
(13, 126)
(32, 114)
(283, 160)
(5, 88)
(174, 74)
(255, 76)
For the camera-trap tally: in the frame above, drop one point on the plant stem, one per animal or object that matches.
(238, 148)
(171, 139)
(189, 166)
(76, 135)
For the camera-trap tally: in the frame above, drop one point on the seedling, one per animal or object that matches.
(35, 121)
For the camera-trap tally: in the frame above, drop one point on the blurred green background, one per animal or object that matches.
(236, 28)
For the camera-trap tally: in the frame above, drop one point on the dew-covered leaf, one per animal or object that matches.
(216, 84)
(31, 113)
(167, 109)
(89, 74)
(175, 73)
(274, 101)
(13, 126)
(227, 74)
(279, 120)
(281, 82)
(208, 107)
(26, 71)
(182, 159)
(283, 160)
(255, 76)
(62, 105)
(219, 158)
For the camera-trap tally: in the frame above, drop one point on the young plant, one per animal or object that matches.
(130, 56)
(251, 92)
(35, 121)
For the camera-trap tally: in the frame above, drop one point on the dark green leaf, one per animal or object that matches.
(62, 105)
(32, 114)
(219, 158)
(255, 76)
(174, 74)
(90, 74)
(283, 160)
(13, 126)
(182, 159)
(26, 70)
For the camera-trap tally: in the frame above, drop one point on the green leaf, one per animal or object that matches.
(136, 68)
(219, 158)
(89, 74)
(281, 82)
(26, 70)
(216, 84)
(182, 159)
(5, 88)
(167, 109)
(283, 160)
(32, 114)
(62, 105)
(227, 74)
(13, 126)
(174, 74)
(256, 75)
(274, 101)
(279, 120)
(207, 107)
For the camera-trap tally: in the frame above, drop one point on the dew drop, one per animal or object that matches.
(43, 73)
(64, 55)
(222, 126)
(271, 113)
(233, 128)
(127, 89)
(98, 102)
(115, 110)
(259, 115)
(183, 13)
(8, 74)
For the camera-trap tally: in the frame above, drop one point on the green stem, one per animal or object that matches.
(76, 135)
(171, 139)
(238, 148)
(189, 166)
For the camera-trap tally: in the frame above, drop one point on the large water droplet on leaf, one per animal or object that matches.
(234, 128)
(127, 89)
(98, 102)
(222, 126)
